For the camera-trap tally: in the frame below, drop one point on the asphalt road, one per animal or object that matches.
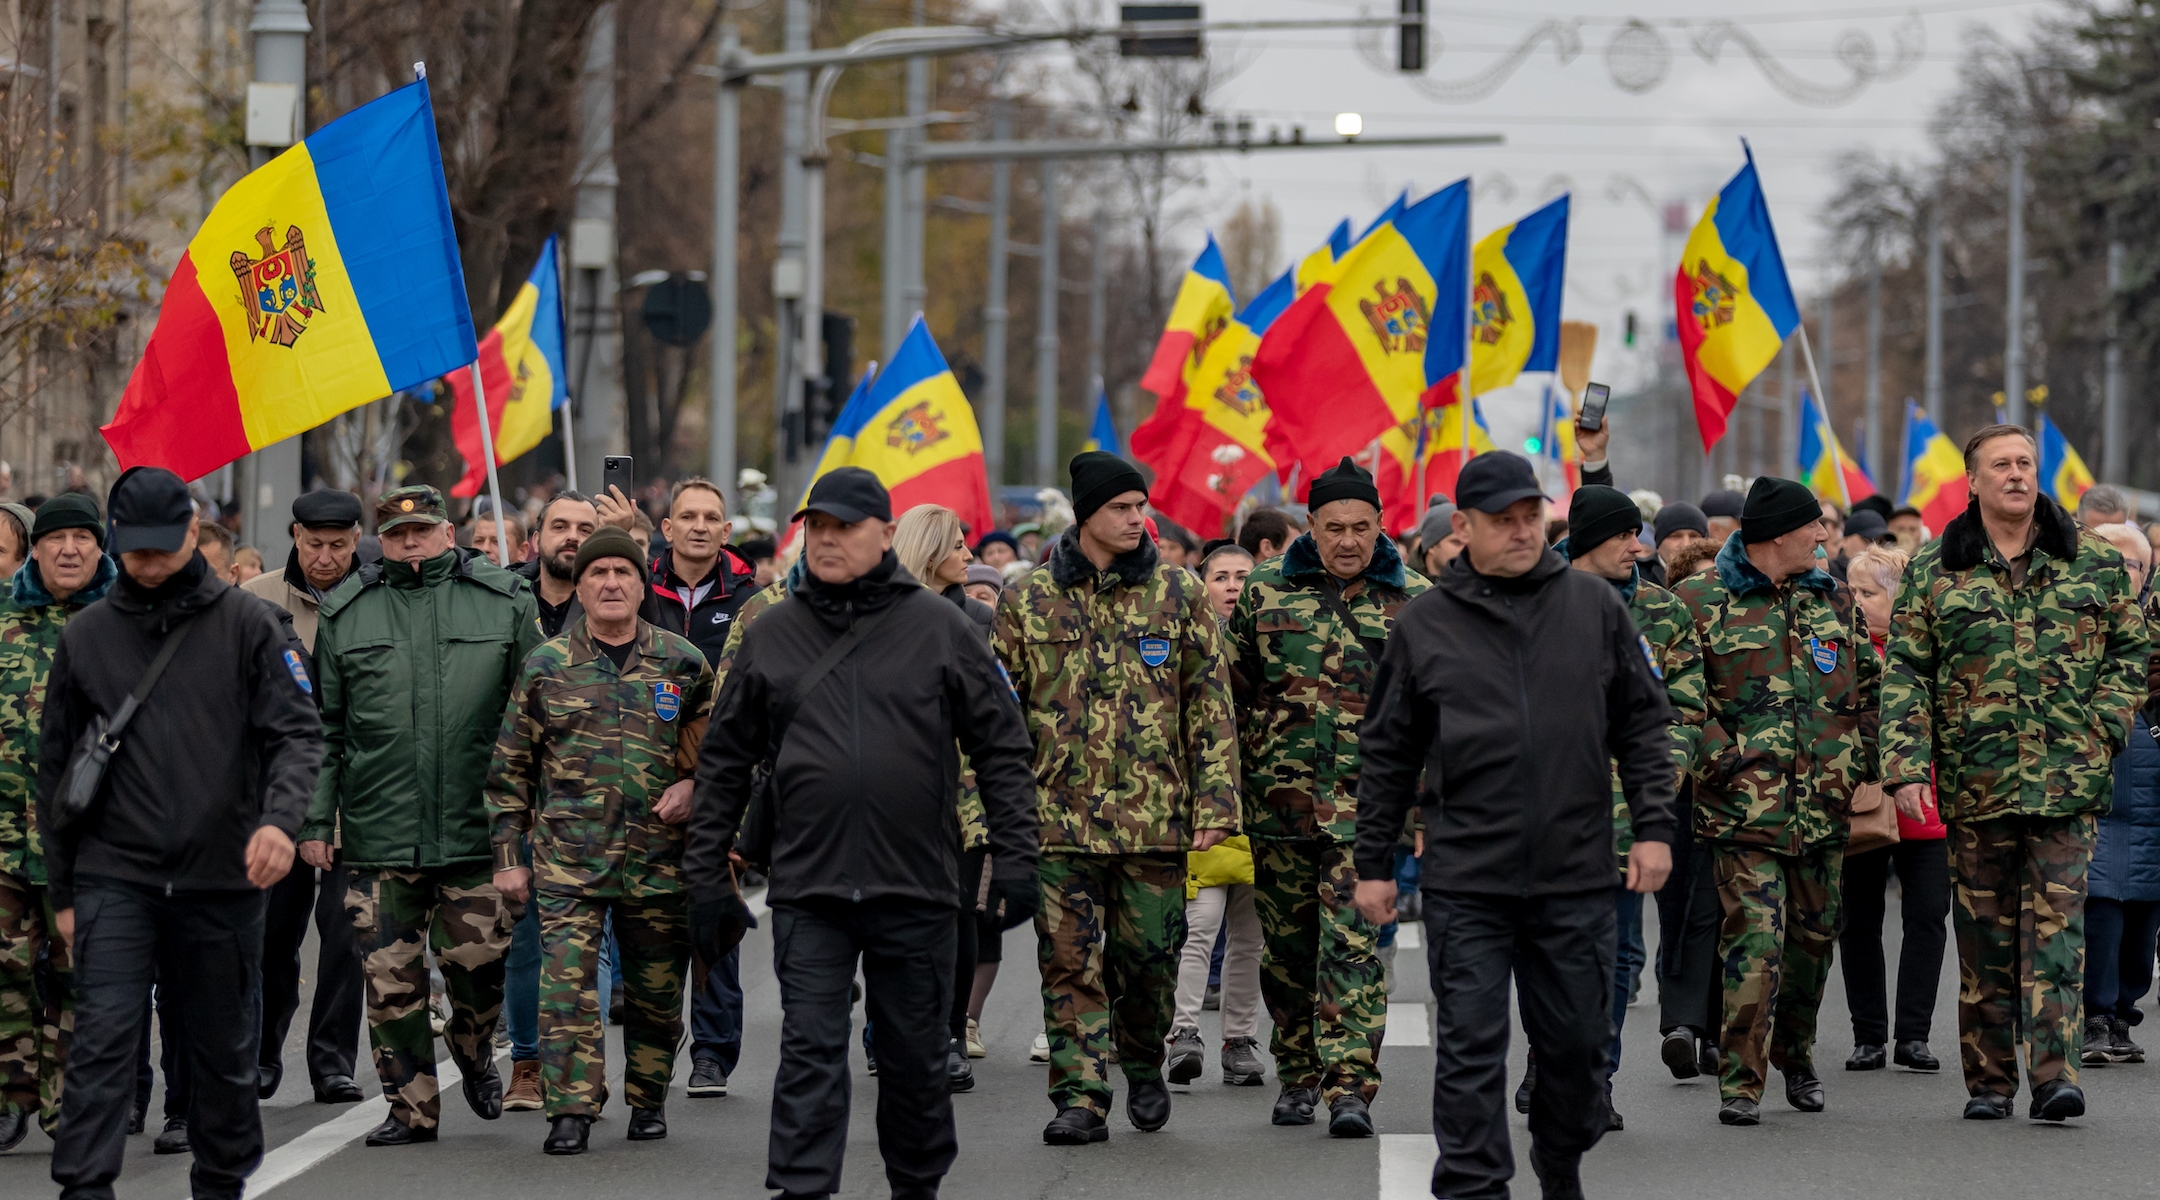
(1885, 1133)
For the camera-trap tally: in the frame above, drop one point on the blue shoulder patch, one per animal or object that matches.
(298, 668)
(667, 700)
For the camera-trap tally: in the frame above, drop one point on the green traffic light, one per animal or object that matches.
(1532, 445)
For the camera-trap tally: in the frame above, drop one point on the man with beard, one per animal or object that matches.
(564, 523)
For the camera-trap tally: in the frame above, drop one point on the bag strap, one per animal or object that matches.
(1331, 595)
(135, 698)
(842, 646)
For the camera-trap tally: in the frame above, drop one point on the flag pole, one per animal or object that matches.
(1837, 463)
(569, 405)
(487, 451)
(569, 442)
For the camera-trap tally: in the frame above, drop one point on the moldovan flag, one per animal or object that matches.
(1314, 265)
(1934, 471)
(913, 429)
(1824, 466)
(1102, 434)
(1378, 337)
(322, 280)
(1518, 272)
(522, 368)
(1732, 303)
(1221, 449)
(2062, 472)
(1202, 310)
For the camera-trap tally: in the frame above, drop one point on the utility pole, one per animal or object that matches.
(789, 270)
(892, 280)
(270, 477)
(2014, 341)
(995, 311)
(1878, 455)
(916, 190)
(727, 140)
(1932, 380)
(592, 252)
(1098, 296)
(2114, 411)
(1046, 334)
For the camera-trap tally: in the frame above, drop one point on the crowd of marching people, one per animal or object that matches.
(519, 774)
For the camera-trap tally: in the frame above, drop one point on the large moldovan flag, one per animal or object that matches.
(1200, 313)
(1518, 273)
(326, 278)
(1732, 302)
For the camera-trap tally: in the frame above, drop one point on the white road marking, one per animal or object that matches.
(1410, 935)
(1406, 1166)
(1406, 1024)
(289, 1161)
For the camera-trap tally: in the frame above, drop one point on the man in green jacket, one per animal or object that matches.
(67, 569)
(1304, 641)
(1787, 733)
(2017, 657)
(417, 657)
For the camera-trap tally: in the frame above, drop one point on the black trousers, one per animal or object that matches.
(906, 951)
(333, 1044)
(1923, 870)
(969, 933)
(1689, 913)
(1558, 951)
(205, 949)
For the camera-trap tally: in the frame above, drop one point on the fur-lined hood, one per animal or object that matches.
(1965, 539)
(1741, 576)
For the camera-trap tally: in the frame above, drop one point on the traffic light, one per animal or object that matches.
(1627, 332)
(822, 399)
(1136, 41)
(1410, 37)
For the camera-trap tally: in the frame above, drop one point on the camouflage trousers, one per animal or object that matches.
(652, 944)
(1781, 921)
(1321, 977)
(37, 1007)
(1107, 939)
(400, 916)
(2019, 914)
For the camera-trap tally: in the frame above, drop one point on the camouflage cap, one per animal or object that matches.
(418, 504)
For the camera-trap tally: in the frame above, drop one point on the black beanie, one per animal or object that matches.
(1596, 515)
(1098, 477)
(1776, 507)
(1345, 481)
(608, 541)
(68, 510)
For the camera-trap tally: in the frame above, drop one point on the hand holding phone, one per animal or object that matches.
(1595, 398)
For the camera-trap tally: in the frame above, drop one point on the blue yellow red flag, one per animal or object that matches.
(1202, 310)
(2062, 472)
(1825, 467)
(1732, 302)
(1423, 456)
(322, 280)
(1102, 433)
(1935, 480)
(1381, 335)
(1323, 256)
(1518, 273)
(525, 374)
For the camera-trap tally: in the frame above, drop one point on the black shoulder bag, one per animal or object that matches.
(1331, 595)
(754, 841)
(84, 779)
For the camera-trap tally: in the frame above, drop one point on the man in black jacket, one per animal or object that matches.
(865, 832)
(1481, 689)
(195, 819)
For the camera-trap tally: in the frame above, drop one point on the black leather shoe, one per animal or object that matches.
(1147, 1105)
(1075, 1127)
(648, 1124)
(1706, 1052)
(1989, 1106)
(1349, 1117)
(393, 1132)
(1803, 1090)
(1528, 1085)
(959, 1072)
(1866, 1058)
(267, 1078)
(1740, 1111)
(567, 1135)
(1295, 1106)
(483, 1091)
(2057, 1100)
(14, 1127)
(1916, 1056)
(174, 1138)
(337, 1089)
(1678, 1053)
(708, 1077)
(137, 1116)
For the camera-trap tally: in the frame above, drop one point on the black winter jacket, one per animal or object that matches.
(707, 625)
(868, 771)
(227, 741)
(1514, 696)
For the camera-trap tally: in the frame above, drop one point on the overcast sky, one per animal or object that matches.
(1570, 126)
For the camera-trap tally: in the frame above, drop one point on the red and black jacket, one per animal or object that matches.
(667, 600)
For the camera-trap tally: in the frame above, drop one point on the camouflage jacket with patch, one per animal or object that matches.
(30, 624)
(1300, 675)
(586, 752)
(1789, 718)
(1122, 678)
(2018, 697)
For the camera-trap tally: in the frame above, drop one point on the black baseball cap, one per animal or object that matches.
(1493, 480)
(849, 493)
(148, 509)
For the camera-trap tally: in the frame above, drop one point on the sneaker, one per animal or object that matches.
(2124, 1049)
(524, 1091)
(974, 1039)
(708, 1077)
(1039, 1051)
(2099, 1043)
(1187, 1056)
(1241, 1065)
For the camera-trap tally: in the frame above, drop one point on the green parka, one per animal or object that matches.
(416, 664)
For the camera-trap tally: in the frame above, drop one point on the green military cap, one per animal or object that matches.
(418, 504)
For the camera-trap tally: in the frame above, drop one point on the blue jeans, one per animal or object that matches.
(716, 1013)
(521, 987)
(1627, 964)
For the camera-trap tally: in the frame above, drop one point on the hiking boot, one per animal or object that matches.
(1295, 1105)
(1349, 1117)
(2057, 1100)
(524, 1092)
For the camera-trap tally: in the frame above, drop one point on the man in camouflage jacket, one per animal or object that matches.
(2014, 670)
(1304, 641)
(594, 766)
(67, 569)
(1120, 670)
(1787, 732)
